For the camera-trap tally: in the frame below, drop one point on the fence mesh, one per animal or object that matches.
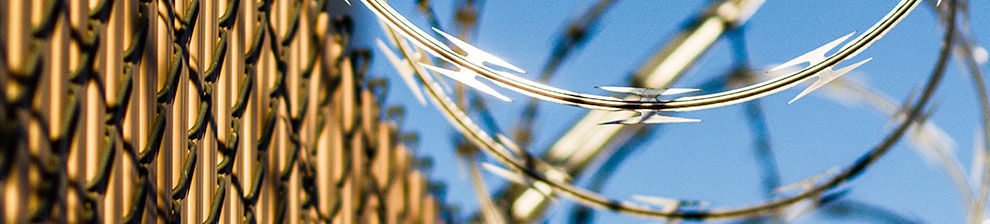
(189, 111)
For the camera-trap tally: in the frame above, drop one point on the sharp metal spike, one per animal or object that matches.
(478, 56)
(552, 172)
(798, 209)
(979, 159)
(509, 144)
(418, 56)
(504, 173)
(827, 75)
(518, 178)
(647, 93)
(814, 56)
(651, 117)
(668, 204)
(410, 48)
(405, 71)
(905, 106)
(931, 110)
(665, 203)
(935, 146)
(806, 183)
(675, 91)
(467, 77)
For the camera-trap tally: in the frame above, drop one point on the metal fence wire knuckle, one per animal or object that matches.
(159, 96)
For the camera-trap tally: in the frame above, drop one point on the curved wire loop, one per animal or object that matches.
(525, 165)
(473, 64)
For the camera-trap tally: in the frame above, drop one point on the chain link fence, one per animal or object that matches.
(190, 111)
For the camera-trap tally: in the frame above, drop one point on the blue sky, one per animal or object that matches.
(713, 160)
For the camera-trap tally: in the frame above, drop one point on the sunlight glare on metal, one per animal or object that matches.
(467, 77)
(814, 56)
(476, 55)
(827, 75)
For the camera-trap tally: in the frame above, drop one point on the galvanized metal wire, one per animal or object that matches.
(189, 111)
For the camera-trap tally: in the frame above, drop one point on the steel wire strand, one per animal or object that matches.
(524, 165)
(403, 27)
